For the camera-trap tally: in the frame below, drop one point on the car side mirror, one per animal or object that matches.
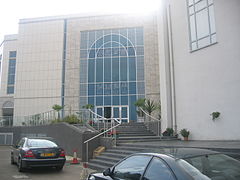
(107, 172)
(15, 146)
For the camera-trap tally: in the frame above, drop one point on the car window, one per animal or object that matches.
(196, 162)
(158, 170)
(21, 142)
(191, 170)
(131, 168)
(40, 143)
(212, 166)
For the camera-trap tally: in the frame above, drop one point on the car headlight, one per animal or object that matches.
(91, 177)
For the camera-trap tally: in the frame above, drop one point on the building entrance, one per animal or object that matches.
(121, 113)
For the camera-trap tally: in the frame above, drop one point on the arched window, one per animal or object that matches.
(112, 68)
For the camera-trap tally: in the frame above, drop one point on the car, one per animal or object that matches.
(173, 164)
(37, 152)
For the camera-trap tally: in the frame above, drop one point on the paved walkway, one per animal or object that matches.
(197, 144)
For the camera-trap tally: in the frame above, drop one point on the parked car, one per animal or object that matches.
(173, 164)
(37, 152)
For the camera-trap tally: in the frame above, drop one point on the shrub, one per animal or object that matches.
(184, 132)
(71, 119)
(168, 132)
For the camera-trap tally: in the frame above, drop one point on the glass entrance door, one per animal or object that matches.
(118, 112)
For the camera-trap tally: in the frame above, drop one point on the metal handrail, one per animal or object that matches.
(101, 133)
(155, 119)
(149, 115)
(105, 131)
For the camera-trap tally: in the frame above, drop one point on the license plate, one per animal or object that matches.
(47, 154)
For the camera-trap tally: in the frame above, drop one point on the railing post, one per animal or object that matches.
(115, 137)
(87, 152)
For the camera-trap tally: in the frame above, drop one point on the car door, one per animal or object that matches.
(131, 168)
(17, 149)
(158, 170)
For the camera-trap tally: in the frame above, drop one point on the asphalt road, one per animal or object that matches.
(10, 172)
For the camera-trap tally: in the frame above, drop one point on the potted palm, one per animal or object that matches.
(185, 133)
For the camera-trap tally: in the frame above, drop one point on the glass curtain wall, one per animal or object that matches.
(112, 71)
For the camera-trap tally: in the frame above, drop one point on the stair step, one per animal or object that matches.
(102, 163)
(114, 155)
(139, 137)
(133, 135)
(119, 151)
(98, 167)
(123, 148)
(107, 158)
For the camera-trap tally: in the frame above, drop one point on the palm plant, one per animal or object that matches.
(57, 108)
(140, 103)
(147, 105)
(150, 106)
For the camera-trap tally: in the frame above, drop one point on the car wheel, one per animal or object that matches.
(20, 168)
(59, 168)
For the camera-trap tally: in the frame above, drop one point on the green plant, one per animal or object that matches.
(147, 105)
(184, 132)
(168, 132)
(88, 106)
(71, 119)
(215, 115)
(57, 108)
(140, 103)
(150, 106)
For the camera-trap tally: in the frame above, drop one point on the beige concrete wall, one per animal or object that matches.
(208, 80)
(39, 66)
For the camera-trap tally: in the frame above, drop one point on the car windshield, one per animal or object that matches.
(211, 167)
(41, 143)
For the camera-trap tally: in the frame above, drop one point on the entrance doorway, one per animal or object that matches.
(120, 113)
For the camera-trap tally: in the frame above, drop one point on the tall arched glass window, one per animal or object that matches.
(112, 71)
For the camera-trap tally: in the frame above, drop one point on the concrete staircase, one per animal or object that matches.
(128, 134)
(135, 137)
(135, 132)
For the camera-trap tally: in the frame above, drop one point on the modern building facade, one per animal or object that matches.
(185, 55)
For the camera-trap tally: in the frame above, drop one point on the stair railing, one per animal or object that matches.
(153, 119)
(105, 130)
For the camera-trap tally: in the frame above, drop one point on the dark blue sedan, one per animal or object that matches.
(173, 164)
(37, 152)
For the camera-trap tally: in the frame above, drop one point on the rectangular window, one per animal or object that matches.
(201, 23)
(11, 72)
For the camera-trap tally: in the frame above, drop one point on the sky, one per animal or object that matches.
(13, 10)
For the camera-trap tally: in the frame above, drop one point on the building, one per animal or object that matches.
(186, 55)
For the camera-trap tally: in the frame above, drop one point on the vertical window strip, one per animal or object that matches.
(11, 72)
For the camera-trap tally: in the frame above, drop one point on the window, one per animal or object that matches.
(112, 67)
(158, 170)
(201, 23)
(11, 72)
(131, 168)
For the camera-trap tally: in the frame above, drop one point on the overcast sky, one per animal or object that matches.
(13, 10)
